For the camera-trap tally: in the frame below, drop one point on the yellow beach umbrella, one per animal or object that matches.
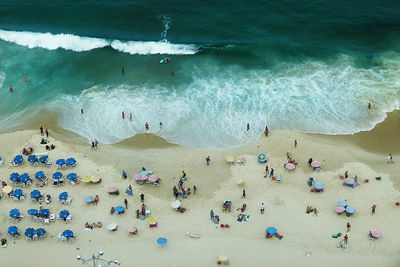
(240, 182)
(152, 221)
(230, 159)
(86, 179)
(7, 189)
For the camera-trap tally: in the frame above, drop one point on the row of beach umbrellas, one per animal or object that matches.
(16, 177)
(29, 232)
(18, 159)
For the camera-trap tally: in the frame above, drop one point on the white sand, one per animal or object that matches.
(244, 242)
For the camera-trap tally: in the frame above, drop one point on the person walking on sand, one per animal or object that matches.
(47, 133)
(41, 130)
(244, 193)
(146, 126)
(373, 209)
(142, 197)
(248, 126)
(124, 174)
(208, 160)
(315, 211)
(262, 209)
(345, 238)
(123, 115)
(126, 203)
(348, 227)
(295, 143)
(194, 190)
(390, 158)
(266, 171)
(271, 174)
(82, 111)
(346, 174)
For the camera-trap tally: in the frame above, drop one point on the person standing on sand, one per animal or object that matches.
(266, 171)
(208, 160)
(315, 211)
(194, 190)
(160, 125)
(345, 238)
(272, 172)
(130, 116)
(126, 203)
(41, 130)
(373, 209)
(346, 174)
(124, 174)
(47, 133)
(244, 193)
(295, 143)
(369, 106)
(142, 197)
(146, 126)
(82, 111)
(390, 158)
(262, 209)
(248, 126)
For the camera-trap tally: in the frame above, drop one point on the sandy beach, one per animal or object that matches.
(307, 238)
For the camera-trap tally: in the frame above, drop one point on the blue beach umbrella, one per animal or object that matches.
(60, 162)
(57, 175)
(18, 159)
(89, 199)
(43, 159)
(14, 213)
(319, 185)
(13, 230)
(30, 232)
(32, 158)
(63, 195)
(24, 178)
(119, 209)
(271, 230)
(70, 161)
(39, 175)
(36, 194)
(162, 241)
(44, 212)
(14, 177)
(32, 212)
(72, 176)
(350, 209)
(40, 232)
(68, 233)
(18, 193)
(342, 203)
(64, 214)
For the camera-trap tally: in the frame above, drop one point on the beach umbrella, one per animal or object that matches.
(342, 203)
(350, 209)
(271, 230)
(43, 159)
(40, 232)
(7, 189)
(143, 177)
(112, 226)
(72, 176)
(28, 146)
(60, 162)
(18, 193)
(32, 158)
(68, 233)
(44, 212)
(119, 209)
(136, 177)
(35, 194)
(112, 189)
(175, 204)
(24, 178)
(152, 221)
(153, 178)
(290, 166)
(57, 175)
(18, 159)
(14, 213)
(86, 179)
(340, 209)
(89, 199)
(162, 241)
(39, 175)
(262, 158)
(315, 164)
(14, 177)
(64, 214)
(13, 230)
(63, 195)
(32, 212)
(132, 230)
(30, 232)
(376, 233)
(70, 161)
(319, 185)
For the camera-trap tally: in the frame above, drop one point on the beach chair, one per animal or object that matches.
(68, 201)
(61, 238)
(22, 198)
(16, 199)
(156, 184)
(241, 160)
(48, 163)
(46, 221)
(68, 219)
(35, 237)
(52, 217)
(1, 163)
(40, 199)
(148, 213)
(61, 182)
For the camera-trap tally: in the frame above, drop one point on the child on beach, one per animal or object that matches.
(348, 227)
(262, 209)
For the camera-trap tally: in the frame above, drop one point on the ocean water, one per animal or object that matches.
(309, 66)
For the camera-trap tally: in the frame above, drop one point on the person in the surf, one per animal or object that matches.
(200, 49)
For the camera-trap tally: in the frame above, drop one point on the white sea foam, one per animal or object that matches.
(212, 111)
(78, 43)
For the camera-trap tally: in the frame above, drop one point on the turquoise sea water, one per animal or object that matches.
(310, 66)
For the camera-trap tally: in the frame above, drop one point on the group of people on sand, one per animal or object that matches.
(93, 225)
